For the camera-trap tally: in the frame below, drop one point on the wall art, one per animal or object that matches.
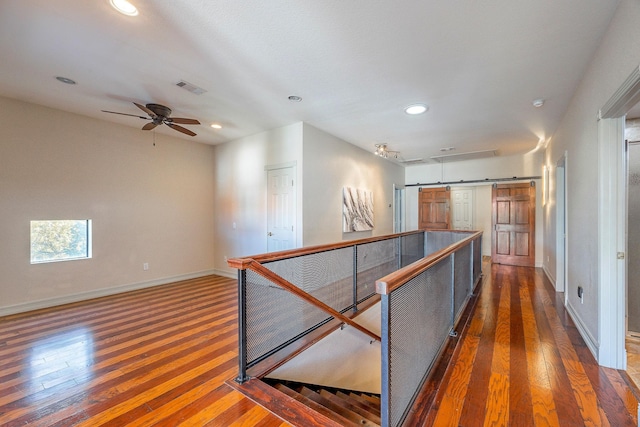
(357, 210)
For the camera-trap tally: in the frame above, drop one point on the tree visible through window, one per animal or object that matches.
(60, 240)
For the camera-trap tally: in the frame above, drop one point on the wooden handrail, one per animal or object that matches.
(392, 281)
(241, 263)
(285, 284)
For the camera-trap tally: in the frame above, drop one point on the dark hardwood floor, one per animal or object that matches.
(160, 356)
(522, 362)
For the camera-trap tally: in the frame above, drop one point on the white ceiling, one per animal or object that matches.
(356, 64)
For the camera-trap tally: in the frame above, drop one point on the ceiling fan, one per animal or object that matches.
(159, 114)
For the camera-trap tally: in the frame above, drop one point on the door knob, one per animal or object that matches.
(269, 234)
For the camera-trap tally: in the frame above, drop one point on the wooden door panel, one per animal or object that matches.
(434, 208)
(521, 212)
(520, 192)
(502, 243)
(441, 210)
(522, 244)
(503, 213)
(513, 217)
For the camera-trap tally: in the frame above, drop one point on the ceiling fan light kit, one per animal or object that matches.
(159, 114)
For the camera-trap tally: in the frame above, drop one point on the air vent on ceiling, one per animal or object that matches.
(191, 87)
(472, 155)
(411, 161)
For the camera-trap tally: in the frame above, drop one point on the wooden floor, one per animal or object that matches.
(522, 362)
(151, 357)
(160, 357)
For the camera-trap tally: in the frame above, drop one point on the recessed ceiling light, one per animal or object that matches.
(124, 7)
(216, 126)
(415, 109)
(295, 98)
(538, 102)
(65, 80)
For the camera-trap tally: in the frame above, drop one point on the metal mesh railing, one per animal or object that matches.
(375, 260)
(477, 259)
(419, 321)
(272, 317)
(418, 315)
(412, 249)
(327, 275)
(462, 284)
(267, 308)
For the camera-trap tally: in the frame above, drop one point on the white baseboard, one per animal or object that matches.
(224, 273)
(589, 339)
(549, 276)
(82, 296)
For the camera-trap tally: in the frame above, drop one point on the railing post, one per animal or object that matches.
(385, 347)
(242, 327)
(399, 252)
(355, 278)
(452, 332)
(472, 262)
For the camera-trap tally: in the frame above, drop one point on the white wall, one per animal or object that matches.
(241, 190)
(331, 164)
(612, 63)
(526, 165)
(148, 204)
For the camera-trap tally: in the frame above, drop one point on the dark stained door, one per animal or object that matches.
(433, 209)
(513, 237)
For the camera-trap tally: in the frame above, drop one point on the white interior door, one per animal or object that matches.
(281, 209)
(462, 208)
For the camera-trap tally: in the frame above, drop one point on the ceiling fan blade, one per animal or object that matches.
(180, 129)
(182, 121)
(149, 126)
(125, 114)
(145, 109)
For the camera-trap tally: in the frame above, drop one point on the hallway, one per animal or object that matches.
(522, 362)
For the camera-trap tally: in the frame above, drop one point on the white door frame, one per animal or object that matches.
(561, 225)
(612, 224)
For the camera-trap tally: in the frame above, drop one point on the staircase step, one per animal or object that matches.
(338, 408)
(316, 406)
(369, 397)
(356, 399)
(352, 406)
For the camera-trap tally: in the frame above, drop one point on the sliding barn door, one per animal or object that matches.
(433, 208)
(513, 237)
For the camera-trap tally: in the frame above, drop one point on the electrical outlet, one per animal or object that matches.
(145, 266)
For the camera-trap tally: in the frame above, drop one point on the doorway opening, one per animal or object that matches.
(561, 225)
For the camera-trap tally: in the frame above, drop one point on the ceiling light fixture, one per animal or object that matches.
(415, 109)
(124, 7)
(384, 152)
(216, 126)
(295, 98)
(65, 80)
(538, 102)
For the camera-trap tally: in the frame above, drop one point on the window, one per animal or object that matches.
(60, 240)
